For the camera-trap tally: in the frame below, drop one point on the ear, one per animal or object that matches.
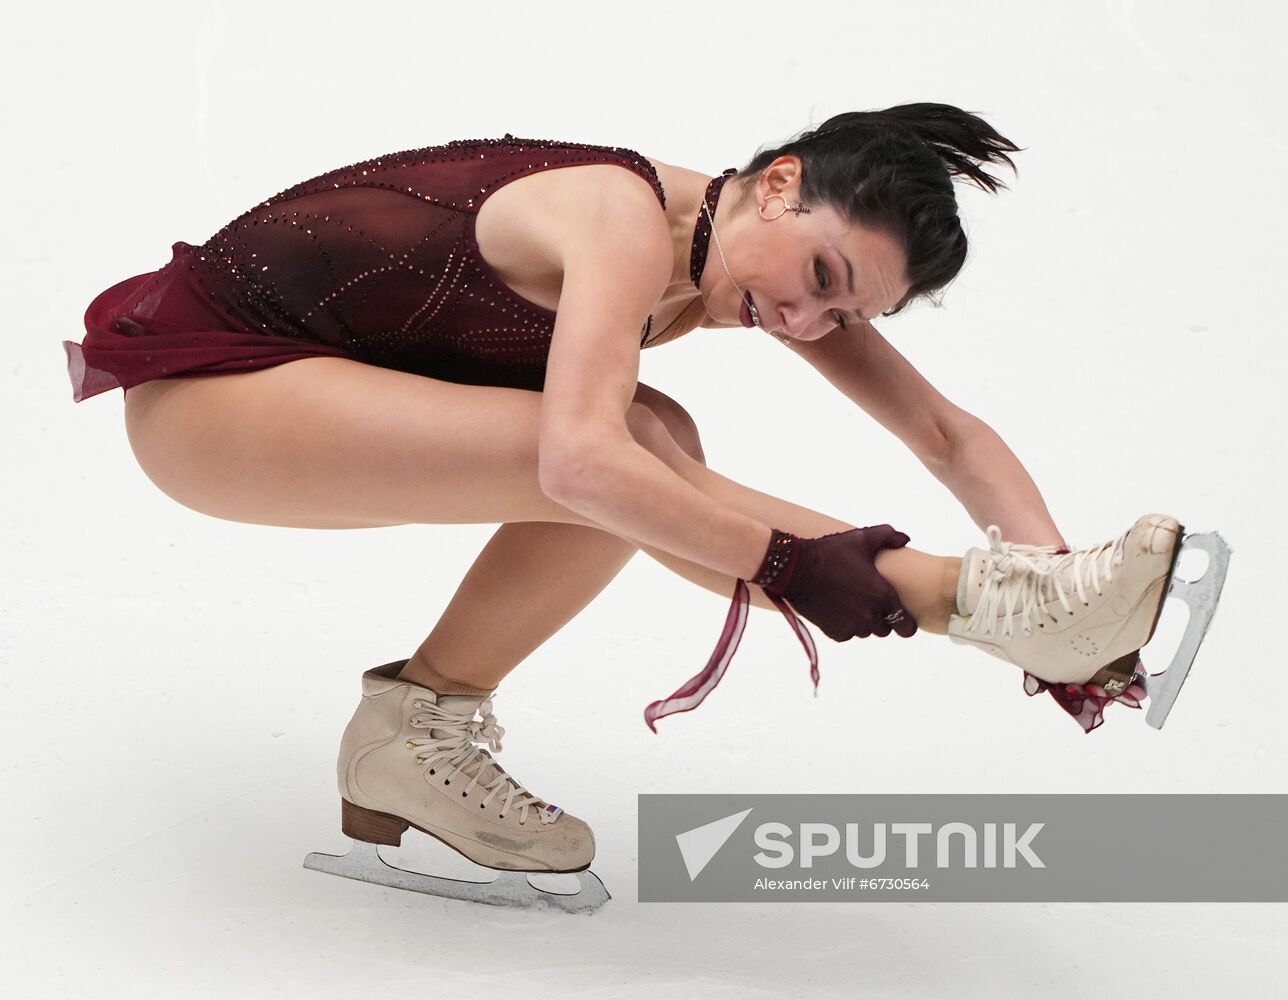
(782, 177)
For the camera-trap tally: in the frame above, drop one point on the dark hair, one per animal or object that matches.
(892, 170)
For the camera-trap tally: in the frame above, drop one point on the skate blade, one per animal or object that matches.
(364, 863)
(1202, 596)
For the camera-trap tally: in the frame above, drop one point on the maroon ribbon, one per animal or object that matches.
(692, 693)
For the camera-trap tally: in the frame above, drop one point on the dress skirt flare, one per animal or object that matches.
(168, 324)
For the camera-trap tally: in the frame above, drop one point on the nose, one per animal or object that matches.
(798, 322)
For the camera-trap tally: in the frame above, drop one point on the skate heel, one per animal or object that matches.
(1114, 677)
(370, 826)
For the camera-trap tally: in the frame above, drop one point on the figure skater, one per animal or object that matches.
(451, 335)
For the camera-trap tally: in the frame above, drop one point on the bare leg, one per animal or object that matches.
(534, 577)
(334, 443)
(531, 579)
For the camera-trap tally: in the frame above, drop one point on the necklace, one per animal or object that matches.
(755, 315)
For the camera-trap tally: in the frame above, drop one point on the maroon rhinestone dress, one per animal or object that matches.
(376, 262)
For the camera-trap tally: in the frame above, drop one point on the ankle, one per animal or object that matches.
(936, 620)
(948, 588)
(418, 670)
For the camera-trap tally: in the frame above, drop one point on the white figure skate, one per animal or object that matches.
(408, 758)
(1095, 640)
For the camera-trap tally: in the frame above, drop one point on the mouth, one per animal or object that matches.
(747, 312)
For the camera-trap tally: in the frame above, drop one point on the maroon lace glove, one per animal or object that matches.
(832, 581)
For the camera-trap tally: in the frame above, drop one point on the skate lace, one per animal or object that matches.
(1031, 576)
(456, 750)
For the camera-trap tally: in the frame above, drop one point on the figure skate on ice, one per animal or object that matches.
(408, 758)
(1083, 616)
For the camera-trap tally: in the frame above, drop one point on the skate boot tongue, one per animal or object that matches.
(460, 704)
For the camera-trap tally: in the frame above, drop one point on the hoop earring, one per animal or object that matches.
(798, 208)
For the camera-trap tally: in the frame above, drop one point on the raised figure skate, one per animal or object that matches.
(1083, 616)
(408, 758)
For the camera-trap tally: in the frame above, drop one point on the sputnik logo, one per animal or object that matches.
(699, 845)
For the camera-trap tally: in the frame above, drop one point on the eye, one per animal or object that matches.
(821, 274)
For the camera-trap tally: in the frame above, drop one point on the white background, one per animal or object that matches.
(174, 686)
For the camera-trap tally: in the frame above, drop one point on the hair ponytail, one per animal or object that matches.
(893, 170)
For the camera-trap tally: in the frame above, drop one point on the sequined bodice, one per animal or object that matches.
(380, 259)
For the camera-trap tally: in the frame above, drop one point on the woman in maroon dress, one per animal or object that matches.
(452, 335)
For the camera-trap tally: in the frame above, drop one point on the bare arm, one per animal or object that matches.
(631, 492)
(958, 448)
(615, 253)
(994, 487)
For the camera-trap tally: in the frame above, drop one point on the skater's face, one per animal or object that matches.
(807, 273)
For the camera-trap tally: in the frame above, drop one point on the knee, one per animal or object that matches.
(658, 422)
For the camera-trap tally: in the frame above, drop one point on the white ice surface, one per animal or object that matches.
(174, 687)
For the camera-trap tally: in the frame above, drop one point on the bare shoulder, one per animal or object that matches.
(611, 210)
(530, 228)
(550, 211)
(612, 241)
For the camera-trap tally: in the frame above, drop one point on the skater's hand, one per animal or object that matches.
(835, 584)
